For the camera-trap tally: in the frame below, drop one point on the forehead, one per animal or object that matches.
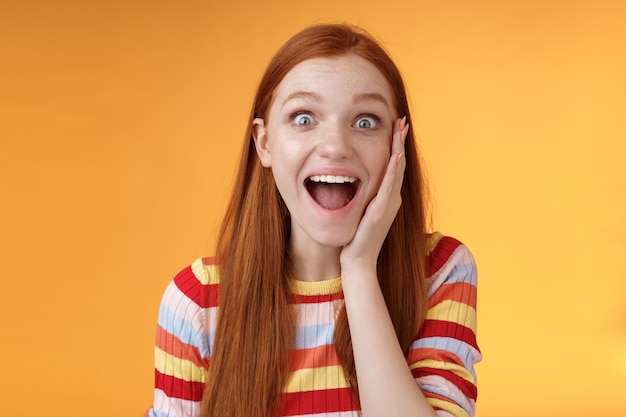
(347, 73)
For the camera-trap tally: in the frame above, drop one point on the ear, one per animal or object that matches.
(261, 143)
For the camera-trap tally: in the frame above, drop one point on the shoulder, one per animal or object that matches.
(449, 262)
(188, 309)
(196, 284)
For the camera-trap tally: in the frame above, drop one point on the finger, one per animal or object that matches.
(392, 180)
(394, 174)
(381, 209)
(400, 130)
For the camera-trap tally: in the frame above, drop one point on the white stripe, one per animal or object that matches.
(175, 406)
(439, 385)
(316, 314)
(460, 256)
(182, 306)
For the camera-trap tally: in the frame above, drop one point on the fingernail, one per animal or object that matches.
(399, 158)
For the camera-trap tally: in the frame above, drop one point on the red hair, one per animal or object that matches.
(255, 330)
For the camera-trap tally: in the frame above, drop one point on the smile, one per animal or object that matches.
(332, 192)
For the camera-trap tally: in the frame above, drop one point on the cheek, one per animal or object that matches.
(381, 162)
(285, 160)
(286, 166)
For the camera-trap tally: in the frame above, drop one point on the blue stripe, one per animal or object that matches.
(464, 351)
(184, 331)
(465, 273)
(154, 413)
(447, 394)
(308, 337)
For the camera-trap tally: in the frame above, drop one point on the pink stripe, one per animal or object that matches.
(460, 256)
(175, 406)
(452, 390)
(316, 314)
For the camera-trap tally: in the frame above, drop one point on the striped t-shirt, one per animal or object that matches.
(441, 358)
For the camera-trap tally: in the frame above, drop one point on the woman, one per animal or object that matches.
(327, 295)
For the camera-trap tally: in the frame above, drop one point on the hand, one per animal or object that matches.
(381, 211)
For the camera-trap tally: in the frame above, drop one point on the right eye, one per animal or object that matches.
(303, 119)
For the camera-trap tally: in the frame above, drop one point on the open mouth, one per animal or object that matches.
(332, 192)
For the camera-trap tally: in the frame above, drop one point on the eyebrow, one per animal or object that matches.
(307, 95)
(360, 98)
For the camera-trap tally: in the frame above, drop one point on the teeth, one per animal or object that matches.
(332, 179)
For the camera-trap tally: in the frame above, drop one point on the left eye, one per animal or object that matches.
(303, 119)
(366, 122)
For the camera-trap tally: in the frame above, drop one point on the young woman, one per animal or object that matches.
(327, 295)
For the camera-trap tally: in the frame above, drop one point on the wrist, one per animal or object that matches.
(358, 270)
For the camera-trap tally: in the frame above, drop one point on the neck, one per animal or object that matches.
(314, 262)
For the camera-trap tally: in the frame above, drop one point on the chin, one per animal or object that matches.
(334, 238)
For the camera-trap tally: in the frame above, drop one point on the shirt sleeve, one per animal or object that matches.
(182, 345)
(443, 356)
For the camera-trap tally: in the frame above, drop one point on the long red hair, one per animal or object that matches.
(255, 329)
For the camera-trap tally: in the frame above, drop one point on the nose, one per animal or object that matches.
(335, 142)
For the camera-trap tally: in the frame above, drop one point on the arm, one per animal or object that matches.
(181, 349)
(386, 386)
(442, 358)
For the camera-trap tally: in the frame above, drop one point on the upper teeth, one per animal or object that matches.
(332, 179)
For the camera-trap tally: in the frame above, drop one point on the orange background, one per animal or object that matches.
(120, 125)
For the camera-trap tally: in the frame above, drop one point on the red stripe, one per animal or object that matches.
(317, 357)
(466, 387)
(428, 394)
(318, 401)
(438, 355)
(315, 299)
(442, 252)
(439, 397)
(178, 388)
(441, 328)
(461, 292)
(169, 343)
(204, 295)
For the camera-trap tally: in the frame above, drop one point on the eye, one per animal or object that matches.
(302, 119)
(367, 122)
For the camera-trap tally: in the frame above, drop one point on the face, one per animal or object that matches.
(327, 139)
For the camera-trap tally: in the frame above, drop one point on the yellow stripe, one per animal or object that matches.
(451, 408)
(433, 241)
(206, 274)
(445, 366)
(179, 368)
(455, 312)
(326, 287)
(311, 379)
